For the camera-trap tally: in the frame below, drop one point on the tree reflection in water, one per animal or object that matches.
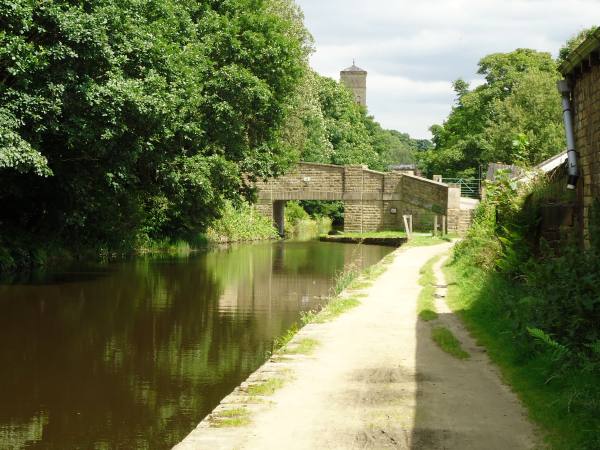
(133, 354)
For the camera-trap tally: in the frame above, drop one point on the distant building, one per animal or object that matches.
(409, 169)
(355, 79)
(493, 169)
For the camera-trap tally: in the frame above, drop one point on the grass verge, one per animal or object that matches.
(284, 339)
(237, 417)
(359, 284)
(333, 309)
(426, 300)
(266, 387)
(444, 338)
(303, 347)
(563, 404)
(345, 279)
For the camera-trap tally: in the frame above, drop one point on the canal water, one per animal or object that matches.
(133, 354)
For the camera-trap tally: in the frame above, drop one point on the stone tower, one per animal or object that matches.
(355, 79)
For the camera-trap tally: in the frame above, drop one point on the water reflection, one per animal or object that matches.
(134, 354)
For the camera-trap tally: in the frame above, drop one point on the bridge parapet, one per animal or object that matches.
(307, 181)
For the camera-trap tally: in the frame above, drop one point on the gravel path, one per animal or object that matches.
(377, 380)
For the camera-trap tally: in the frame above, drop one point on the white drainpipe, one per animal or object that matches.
(572, 171)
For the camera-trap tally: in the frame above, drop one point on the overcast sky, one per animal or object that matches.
(413, 50)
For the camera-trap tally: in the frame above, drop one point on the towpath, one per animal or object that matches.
(377, 380)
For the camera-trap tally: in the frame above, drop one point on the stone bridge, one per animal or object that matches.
(373, 201)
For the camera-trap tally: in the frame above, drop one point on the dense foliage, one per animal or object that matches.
(563, 284)
(128, 118)
(514, 117)
(537, 307)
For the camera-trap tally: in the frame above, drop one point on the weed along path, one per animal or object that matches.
(373, 377)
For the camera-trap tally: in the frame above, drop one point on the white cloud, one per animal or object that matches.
(413, 50)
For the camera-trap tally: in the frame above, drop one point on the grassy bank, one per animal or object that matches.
(536, 311)
(240, 223)
(562, 398)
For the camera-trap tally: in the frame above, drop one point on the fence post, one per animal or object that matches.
(407, 224)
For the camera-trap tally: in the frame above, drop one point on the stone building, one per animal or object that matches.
(355, 79)
(582, 72)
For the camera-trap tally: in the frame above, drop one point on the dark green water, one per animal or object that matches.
(132, 355)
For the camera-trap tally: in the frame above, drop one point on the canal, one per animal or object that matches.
(133, 354)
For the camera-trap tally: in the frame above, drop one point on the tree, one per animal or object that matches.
(528, 125)
(514, 117)
(121, 118)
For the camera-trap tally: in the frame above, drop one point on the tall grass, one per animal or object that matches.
(344, 279)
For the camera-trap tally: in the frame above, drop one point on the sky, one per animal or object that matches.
(413, 50)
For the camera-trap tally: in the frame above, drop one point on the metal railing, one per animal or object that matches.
(469, 187)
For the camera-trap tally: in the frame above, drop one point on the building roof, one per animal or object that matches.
(552, 163)
(354, 68)
(583, 56)
(402, 167)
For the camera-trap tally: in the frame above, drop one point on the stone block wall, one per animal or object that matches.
(423, 199)
(586, 110)
(459, 220)
(373, 181)
(306, 181)
(265, 208)
(363, 216)
(353, 216)
(557, 222)
(363, 205)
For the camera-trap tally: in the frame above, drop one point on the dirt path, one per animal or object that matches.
(378, 381)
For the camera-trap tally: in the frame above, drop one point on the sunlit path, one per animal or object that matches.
(378, 381)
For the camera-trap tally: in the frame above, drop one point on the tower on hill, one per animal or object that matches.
(355, 79)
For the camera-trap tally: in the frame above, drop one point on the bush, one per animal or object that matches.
(557, 293)
(241, 223)
(331, 209)
(294, 213)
